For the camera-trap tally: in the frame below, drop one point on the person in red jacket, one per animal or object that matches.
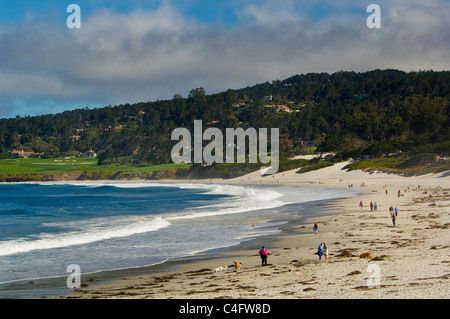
(263, 253)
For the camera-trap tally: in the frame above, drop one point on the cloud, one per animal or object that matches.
(144, 55)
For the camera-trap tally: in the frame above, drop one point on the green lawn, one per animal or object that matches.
(65, 165)
(49, 165)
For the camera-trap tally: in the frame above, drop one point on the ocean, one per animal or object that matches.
(100, 227)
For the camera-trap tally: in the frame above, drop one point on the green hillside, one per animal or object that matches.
(370, 115)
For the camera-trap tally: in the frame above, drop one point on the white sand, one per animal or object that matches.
(411, 260)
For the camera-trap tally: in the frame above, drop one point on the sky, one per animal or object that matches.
(138, 51)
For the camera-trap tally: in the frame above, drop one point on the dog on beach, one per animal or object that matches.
(366, 255)
(220, 269)
(237, 265)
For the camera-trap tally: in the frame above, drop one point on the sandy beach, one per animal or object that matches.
(409, 260)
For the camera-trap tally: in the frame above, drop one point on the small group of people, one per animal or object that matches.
(393, 212)
(373, 206)
(322, 250)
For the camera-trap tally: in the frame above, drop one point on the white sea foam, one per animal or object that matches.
(88, 233)
(244, 199)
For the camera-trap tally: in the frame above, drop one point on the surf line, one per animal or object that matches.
(235, 139)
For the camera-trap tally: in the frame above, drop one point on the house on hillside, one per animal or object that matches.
(16, 153)
(278, 108)
(212, 123)
(90, 153)
(22, 154)
(282, 108)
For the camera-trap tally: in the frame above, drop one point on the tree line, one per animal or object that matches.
(354, 114)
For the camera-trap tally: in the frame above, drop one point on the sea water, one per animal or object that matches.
(46, 227)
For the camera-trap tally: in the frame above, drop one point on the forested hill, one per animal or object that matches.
(354, 114)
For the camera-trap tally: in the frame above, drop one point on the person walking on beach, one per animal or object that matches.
(316, 229)
(375, 206)
(371, 206)
(320, 251)
(361, 205)
(392, 213)
(263, 254)
(396, 211)
(325, 251)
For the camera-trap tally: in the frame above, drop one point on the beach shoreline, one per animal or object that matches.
(410, 259)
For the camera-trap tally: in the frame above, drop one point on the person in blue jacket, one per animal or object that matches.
(320, 251)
